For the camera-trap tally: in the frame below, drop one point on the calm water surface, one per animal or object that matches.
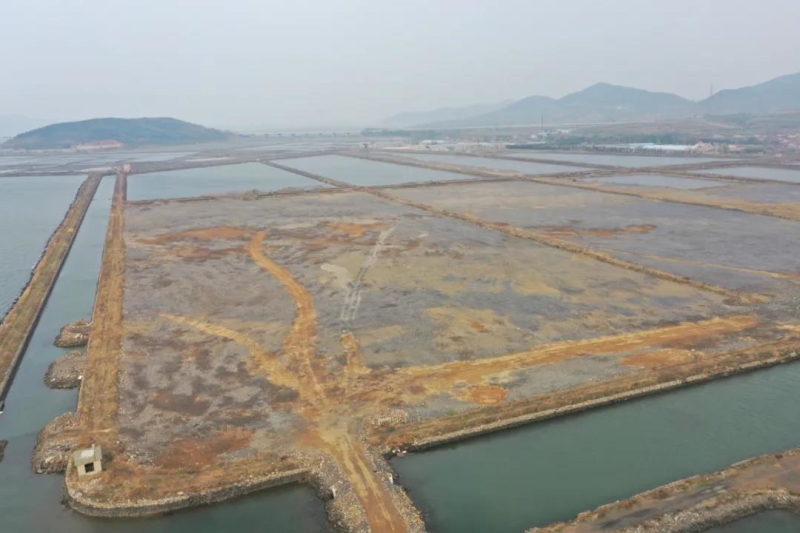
(770, 522)
(362, 172)
(496, 164)
(31, 208)
(552, 471)
(214, 180)
(30, 503)
(779, 174)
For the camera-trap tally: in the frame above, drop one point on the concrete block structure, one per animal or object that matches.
(88, 461)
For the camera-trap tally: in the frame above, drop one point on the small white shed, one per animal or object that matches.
(88, 461)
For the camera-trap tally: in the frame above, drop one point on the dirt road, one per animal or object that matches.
(98, 400)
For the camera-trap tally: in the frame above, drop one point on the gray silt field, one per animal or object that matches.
(657, 181)
(705, 190)
(760, 173)
(440, 290)
(720, 241)
(768, 193)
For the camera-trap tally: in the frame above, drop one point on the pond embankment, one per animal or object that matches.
(20, 322)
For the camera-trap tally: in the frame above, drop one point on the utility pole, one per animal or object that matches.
(710, 94)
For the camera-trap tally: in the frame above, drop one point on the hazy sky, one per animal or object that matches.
(343, 63)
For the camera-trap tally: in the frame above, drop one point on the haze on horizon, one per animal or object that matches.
(350, 63)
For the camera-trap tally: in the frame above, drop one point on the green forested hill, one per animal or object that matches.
(130, 132)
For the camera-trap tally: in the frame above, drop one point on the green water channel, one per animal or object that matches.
(770, 522)
(31, 208)
(550, 472)
(31, 503)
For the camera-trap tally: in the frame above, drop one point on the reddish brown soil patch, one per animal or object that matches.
(354, 230)
(200, 254)
(477, 326)
(483, 394)
(660, 358)
(220, 232)
(186, 453)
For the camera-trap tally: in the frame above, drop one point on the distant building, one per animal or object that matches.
(88, 461)
(661, 147)
(99, 145)
(705, 148)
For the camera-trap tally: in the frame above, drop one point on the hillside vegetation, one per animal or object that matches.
(129, 132)
(780, 94)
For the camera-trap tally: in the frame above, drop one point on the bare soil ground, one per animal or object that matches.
(243, 337)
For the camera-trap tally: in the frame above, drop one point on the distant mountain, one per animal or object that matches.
(415, 118)
(601, 102)
(604, 102)
(110, 131)
(779, 94)
(11, 125)
(526, 111)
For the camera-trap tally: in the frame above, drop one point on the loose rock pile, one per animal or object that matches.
(341, 503)
(74, 335)
(717, 512)
(66, 372)
(51, 454)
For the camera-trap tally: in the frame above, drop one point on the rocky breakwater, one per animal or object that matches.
(74, 335)
(66, 372)
(344, 507)
(719, 512)
(54, 444)
(698, 503)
